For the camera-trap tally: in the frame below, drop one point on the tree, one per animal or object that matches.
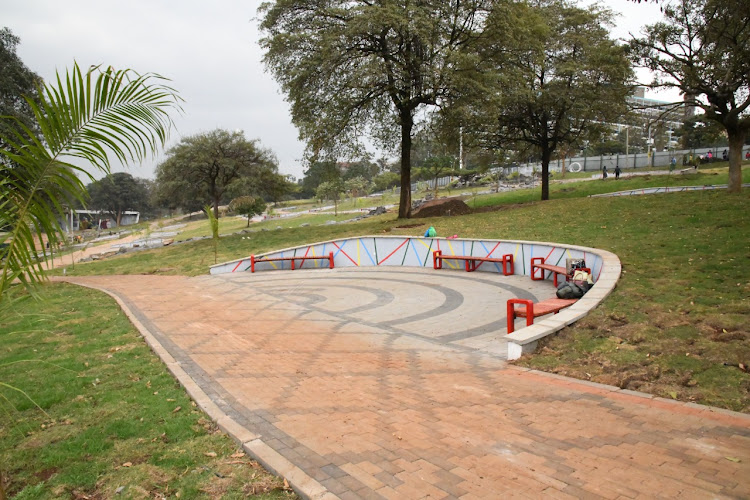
(436, 167)
(248, 206)
(16, 81)
(209, 166)
(348, 66)
(117, 193)
(385, 180)
(698, 132)
(702, 48)
(357, 186)
(88, 117)
(558, 84)
(317, 173)
(331, 190)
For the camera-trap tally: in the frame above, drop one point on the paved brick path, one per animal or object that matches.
(385, 384)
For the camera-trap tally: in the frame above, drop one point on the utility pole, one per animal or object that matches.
(627, 141)
(461, 147)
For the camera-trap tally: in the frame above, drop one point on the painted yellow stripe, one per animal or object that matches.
(315, 262)
(273, 264)
(424, 244)
(358, 243)
(453, 252)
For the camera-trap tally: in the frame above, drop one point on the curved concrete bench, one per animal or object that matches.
(414, 251)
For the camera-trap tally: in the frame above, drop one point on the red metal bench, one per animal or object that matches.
(472, 262)
(254, 260)
(529, 310)
(538, 267)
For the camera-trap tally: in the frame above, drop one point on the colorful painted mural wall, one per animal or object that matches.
(417, 252)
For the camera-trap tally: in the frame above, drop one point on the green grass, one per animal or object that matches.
(109, 414)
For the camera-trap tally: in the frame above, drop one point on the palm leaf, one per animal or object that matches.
(85, 119)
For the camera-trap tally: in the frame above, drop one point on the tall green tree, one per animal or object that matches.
(89, 117)
(16, 81)
(702, 48)
(211, 166)
(353, 66)
(556, 83)
(117, 193)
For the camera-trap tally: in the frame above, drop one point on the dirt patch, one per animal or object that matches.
(441, 208)
(409, 226)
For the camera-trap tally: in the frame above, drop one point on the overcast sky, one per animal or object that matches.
(209, 49)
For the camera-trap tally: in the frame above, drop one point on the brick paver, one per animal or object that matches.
(375, 385)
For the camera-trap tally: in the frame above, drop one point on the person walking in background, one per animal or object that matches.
(617, 171)
(604, 172)
(724, 155)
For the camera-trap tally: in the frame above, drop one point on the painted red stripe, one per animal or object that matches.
(347, 256)
(498, 244)
(238, 265)
(550, 253)
(390, 254)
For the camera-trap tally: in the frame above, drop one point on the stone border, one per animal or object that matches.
(416, 252)
(304, 485)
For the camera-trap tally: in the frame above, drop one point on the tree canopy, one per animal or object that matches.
(213, 167)
(350, 67)
(117, 193)
(16, 81)
(702, 48)
(559, 82)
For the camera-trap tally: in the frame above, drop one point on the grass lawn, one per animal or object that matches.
(679, 313)
(109, 415)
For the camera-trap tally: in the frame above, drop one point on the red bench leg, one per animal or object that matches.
(252, 263)
(330, 260)
(534, 262)
(508, 267)
(511, 312)
(292, 261)
(437, 262)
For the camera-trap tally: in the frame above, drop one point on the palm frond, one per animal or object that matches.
(85, 118)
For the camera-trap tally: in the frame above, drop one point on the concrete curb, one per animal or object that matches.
(304, 485)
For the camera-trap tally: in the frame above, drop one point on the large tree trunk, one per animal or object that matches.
(736, 141)
(216, 207)
(404, 207)
(546, 155)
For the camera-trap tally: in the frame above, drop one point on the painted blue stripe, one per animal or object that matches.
(414, 247)
(367, 252)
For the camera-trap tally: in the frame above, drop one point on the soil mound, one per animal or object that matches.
(441, 208)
